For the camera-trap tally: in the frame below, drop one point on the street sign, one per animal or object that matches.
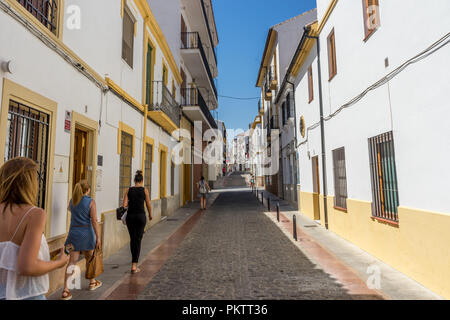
(68, 122)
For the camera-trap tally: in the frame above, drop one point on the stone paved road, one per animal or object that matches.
(236, 252)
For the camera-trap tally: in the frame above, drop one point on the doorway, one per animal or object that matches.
(80, 156)
(83, 154)
(316, 187)
(186, 184)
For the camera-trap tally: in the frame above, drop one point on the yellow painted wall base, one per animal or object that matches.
(418, 247)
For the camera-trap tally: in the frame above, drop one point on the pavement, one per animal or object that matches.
(236, 249)
(392, 284)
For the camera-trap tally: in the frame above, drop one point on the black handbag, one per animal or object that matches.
(120, 212)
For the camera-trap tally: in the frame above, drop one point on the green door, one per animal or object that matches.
(148, 98)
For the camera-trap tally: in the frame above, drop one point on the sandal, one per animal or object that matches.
(137, 270)
(66, 295)
(95, 286)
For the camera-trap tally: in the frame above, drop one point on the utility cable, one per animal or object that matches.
(445, 40)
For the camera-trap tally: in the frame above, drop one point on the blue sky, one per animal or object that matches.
(242, 26)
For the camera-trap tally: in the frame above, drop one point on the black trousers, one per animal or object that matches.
(136, 225)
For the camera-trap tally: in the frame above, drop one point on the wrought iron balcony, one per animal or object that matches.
(191, 40)
(165, 102)
(267, 92)
(274, 124)
(192, 97)
(46, 11)
(209, 30)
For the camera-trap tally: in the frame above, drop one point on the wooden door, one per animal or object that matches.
(186, 183)
(316, 187)
(80, 157)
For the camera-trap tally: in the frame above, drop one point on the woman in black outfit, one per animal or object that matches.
(134, 199)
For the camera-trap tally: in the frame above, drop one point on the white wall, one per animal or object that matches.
(98, 43)
(414, 105)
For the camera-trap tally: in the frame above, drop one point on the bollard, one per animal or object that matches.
(278, 212)
(268, 204)
(262, 198)
(295, 227)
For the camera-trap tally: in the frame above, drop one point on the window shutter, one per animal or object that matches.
(128, 38)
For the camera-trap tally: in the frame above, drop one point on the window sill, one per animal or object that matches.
(386, 221)
(340, 209)
(369, 35)
(332, 77)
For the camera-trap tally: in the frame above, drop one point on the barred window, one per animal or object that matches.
(340, 178)
(128, 37)
(45, 11)
(28, 136)
(126, 154)
(148, 167)
(385, 200)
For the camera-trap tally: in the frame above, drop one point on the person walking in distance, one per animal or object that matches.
(84, 233)
(24, 253)
(134, 199)
(203, 189)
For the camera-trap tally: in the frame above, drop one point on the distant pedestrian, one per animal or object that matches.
(203, 189)
(224, 171)
(134, 199)
(84, 233)
(24, 253)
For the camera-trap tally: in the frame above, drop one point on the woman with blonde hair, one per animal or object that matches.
(24, 253)
(84, 232)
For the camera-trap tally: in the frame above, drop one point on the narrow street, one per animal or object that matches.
(233, 250)
(236, 252)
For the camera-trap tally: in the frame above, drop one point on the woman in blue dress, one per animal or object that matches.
(84, 233)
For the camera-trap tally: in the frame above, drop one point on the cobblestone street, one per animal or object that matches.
(237, 252)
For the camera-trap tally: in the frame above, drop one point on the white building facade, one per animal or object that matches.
(94, 99)
(376, 175)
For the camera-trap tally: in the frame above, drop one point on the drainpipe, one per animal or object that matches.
(144, 135)
(322, 131)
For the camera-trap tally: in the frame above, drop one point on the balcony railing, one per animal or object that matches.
(274, 124)
(46, 11)
(209, 30)
(191, 40)
(267, 91)
(164, 101)
(193, 97)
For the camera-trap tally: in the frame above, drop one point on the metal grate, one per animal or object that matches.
(164, 101)
(148, 167)
(28, 136)
(193, 97)
(192, 40)
(46, 11)
(126, 153)
(384, 177)
(340, 178)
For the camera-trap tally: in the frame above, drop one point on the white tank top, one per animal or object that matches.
(13, 286)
